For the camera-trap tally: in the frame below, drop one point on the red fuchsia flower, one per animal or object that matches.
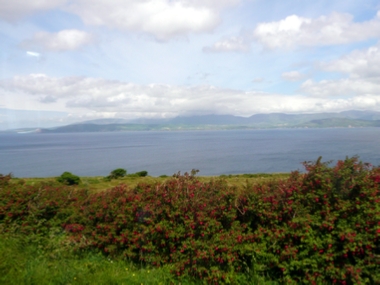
(376, 178)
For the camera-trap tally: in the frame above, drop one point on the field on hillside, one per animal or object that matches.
(99, 183)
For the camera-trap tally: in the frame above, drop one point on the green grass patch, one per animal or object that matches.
(25, 262)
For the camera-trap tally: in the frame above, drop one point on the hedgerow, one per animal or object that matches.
(321, 226)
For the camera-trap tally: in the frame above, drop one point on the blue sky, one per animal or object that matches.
(84, 59)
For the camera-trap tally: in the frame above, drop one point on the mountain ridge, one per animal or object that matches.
(352, 118)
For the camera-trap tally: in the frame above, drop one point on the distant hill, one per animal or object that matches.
(224, 122)
(362, 115)
(79, 128)
(271, 119)
(106, 121)
(340, 122)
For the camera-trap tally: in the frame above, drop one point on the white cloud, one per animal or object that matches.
(341, 87)
(163, 19)
(100, 97)
(231, 44)
(12, 10)
(295, 31)
(362, 68)
(292, 76)
(214, 4)
(61, 41)
(32, 53)
(358, 64)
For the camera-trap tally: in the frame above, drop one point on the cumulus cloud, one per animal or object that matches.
(102, 97)
(294, 31)
(292, 76)
(358, 64)
(163, 19)
(64, 40)
(363, 75)
(15, 9)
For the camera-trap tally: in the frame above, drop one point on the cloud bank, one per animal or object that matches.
(101, 96)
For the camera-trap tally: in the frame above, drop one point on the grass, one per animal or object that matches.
(26, 262)
(99, 183)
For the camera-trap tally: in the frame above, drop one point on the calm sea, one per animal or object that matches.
(212, 152)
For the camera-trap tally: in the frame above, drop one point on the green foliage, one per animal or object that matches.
(133, 175)
(4, 179)
(117, 173)
(322, 226)
(68, 178)
(142, 173)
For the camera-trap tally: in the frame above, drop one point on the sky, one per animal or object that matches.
(63, 61)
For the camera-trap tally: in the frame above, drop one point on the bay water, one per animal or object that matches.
(212, 152)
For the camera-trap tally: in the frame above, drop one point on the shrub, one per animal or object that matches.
(117, 173)
(318, 227)
(142, 173)
(68, 178)
(4, 179)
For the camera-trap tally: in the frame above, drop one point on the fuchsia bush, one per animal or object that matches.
(318, 226)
